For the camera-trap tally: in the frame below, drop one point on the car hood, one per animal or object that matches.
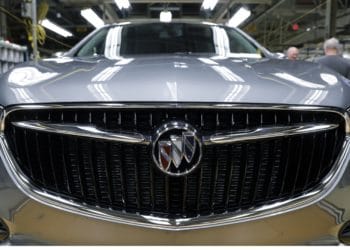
(174, 78)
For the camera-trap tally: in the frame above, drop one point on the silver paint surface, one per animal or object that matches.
(179, 78)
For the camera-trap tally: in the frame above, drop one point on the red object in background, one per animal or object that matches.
(295, 27)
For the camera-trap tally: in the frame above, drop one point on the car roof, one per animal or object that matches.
(154, 21)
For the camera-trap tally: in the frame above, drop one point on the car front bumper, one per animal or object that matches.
(29, 220)
(32, 222)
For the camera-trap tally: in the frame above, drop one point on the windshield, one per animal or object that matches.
(169, 38)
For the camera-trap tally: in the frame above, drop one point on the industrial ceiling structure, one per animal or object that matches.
(276, 24)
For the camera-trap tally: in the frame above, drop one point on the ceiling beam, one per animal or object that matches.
(157, 8)
(221, 12)
(255, 1)
(267, 12)
(94, 2)
(298, 10)
(200, 1)
(317, 34)
(86, 2)
(110, 12)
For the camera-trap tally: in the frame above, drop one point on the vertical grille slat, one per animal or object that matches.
(184, 195)
(66, 174)
(136, 167)
(117, 178)
(229, 176)
(329, 157)
(108, 166)
(277, 169)
(14, 135)
(151, 177)
(244, 165)
(221, 173)
(249, 175)
(214, 193)
(123, 177)
(205, 200)
(52, 165)
(87, 171)
(51, 158)
(176, 191)
(324, 147)
(57, 165)
(199, 192)
(273, 185)
(233, 199)
(167, 194)
(129, 165)
(160, 200)
(101, 173)
(287, 165)
(27, 155)
(71, 166)
(260, 173)
(145, 179)
(309, 167)
(299, 163)
(73, 161)
(39, 160)
(334, 150)
(89, 159)
(263, 180)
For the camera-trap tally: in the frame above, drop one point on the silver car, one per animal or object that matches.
(173, 133)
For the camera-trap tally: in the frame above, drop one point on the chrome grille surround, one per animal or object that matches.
(329, 182)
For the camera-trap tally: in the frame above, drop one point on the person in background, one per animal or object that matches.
(333, 58)
(292, 53)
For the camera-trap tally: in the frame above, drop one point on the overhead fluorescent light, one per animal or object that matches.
(239, 17)
(165, 16)
(122, 4)
(92, 18)
(55, 28)
(209, 4)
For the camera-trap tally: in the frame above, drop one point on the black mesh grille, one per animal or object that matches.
(123, 177)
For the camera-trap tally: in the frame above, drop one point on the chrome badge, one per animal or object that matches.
(176, 150)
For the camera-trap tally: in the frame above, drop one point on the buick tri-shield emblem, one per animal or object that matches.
(176, 149)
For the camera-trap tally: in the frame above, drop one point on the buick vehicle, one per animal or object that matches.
(173, 133)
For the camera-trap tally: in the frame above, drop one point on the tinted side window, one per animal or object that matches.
(95, 46)
(239, 44)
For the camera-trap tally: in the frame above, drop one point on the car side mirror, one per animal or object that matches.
(279, 55)
(59, 54)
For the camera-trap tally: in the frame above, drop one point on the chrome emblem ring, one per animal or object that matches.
(176, 149)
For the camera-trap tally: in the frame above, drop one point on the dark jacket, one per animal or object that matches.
(337, 63)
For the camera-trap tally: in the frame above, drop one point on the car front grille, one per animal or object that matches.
(122, 176)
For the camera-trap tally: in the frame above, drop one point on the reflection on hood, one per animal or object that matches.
(29, 76)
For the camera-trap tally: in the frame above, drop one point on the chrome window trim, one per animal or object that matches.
(325, 187)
